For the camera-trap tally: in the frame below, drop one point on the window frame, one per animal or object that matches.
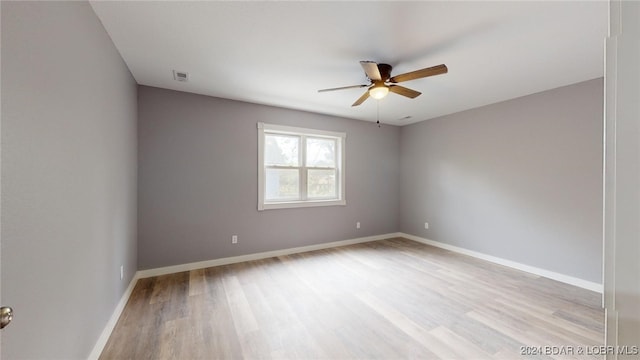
(303, 134)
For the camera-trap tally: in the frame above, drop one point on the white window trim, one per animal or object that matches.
(262, 127)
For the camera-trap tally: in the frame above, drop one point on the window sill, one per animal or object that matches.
(300, 204)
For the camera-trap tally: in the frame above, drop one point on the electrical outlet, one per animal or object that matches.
(234, 239)
(121, 272)
(358, 225)
(426, 225)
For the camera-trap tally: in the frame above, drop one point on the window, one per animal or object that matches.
(299, 167)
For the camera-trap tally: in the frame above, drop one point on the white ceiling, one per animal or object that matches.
(281, 53)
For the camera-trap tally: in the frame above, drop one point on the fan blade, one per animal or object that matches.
(422, 73)
(371, 69)
(362, 98)
(343, 88)
(401, 90)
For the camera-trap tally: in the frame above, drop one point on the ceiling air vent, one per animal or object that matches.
(180, 75)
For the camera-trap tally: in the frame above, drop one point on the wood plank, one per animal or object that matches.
(392, 298)
(197, 282)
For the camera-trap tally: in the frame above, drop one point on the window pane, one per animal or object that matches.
(321, 184)
(282, 184)
(321, 152)
(281, 150)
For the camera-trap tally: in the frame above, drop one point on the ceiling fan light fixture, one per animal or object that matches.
(378, 91)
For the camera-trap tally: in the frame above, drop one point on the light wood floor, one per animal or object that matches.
(387, 299)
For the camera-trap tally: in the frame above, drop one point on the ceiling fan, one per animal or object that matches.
(381, 82)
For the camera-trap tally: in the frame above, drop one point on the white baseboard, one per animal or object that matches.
(257, 256)
(113, 320)
(589, 285)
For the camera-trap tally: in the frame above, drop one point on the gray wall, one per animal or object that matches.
(198, 180)
(520, 180)
(68, 178)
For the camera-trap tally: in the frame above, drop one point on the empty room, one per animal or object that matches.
(307, 180)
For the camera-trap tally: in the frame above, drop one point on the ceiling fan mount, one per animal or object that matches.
(381, 81)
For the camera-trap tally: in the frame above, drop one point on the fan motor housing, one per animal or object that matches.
(385, 71)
